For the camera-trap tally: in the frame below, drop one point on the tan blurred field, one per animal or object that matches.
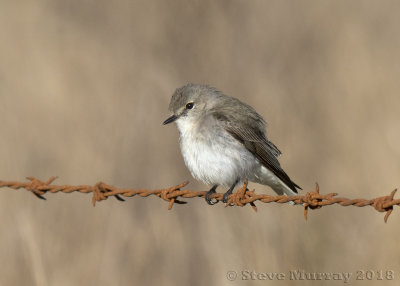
(85, 86)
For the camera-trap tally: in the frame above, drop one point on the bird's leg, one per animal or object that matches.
(229, 192)
(210, 192)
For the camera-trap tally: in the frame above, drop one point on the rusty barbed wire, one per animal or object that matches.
(244, 196)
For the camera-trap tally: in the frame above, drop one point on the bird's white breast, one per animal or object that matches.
(212, 155)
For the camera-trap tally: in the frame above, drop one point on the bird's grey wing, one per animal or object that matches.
(273, 148)
(248, 133)
(255, 141)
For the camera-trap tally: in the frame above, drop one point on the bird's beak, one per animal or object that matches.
(170, 119)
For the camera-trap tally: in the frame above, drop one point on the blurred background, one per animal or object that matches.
(85, 87)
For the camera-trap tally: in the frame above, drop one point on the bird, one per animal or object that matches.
(223, 141)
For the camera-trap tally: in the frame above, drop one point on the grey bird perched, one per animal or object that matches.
(223, 141)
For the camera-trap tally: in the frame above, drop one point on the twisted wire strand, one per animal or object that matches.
(244, 196)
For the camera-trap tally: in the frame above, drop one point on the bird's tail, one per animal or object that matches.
(281, 188)
(267, 177)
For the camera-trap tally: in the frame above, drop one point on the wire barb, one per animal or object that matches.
(310, 200)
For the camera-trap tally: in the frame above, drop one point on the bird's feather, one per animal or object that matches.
(251, 134)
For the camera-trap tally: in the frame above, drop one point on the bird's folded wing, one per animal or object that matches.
(255, 141)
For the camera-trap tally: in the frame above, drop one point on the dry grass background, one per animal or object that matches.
(84, 88)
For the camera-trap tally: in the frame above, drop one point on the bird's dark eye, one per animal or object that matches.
(189, 105)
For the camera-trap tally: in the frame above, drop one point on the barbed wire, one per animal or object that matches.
(244, 196)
